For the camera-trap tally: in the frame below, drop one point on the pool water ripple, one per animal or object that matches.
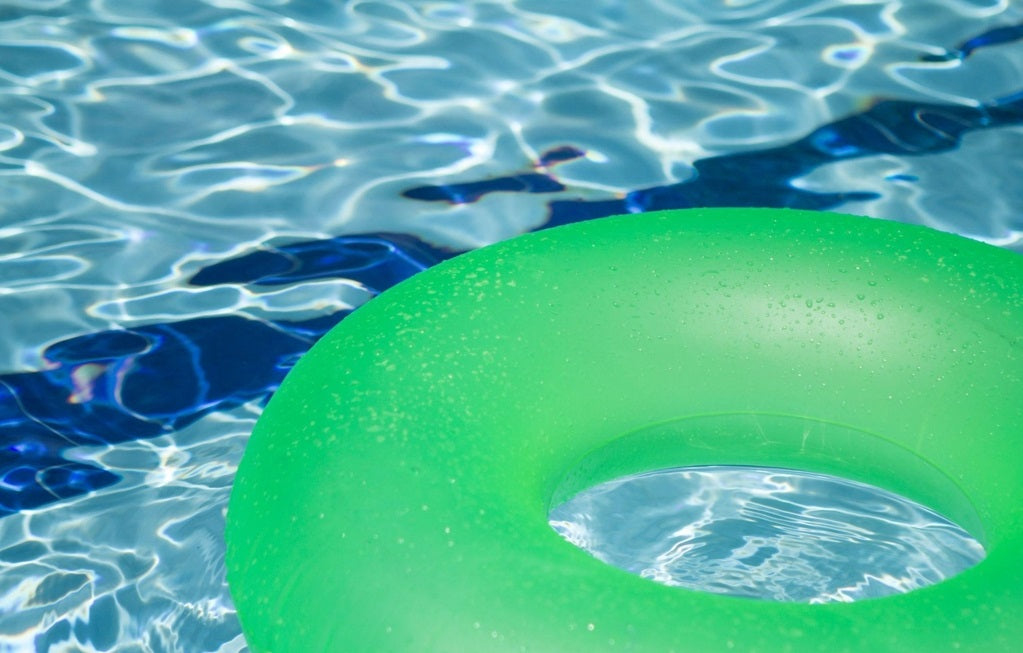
(184, 182)
(781, 535)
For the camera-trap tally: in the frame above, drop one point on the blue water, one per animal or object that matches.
(761, 533)
(193, 192)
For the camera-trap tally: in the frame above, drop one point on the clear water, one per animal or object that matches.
(764, 533)
(182, 183)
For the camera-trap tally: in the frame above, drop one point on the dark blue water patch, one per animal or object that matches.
(126, 384)
(469, 192)
(120, 385)
(519, 182)
(902, 177)
(1013, 99)
(996, 36)
(763, 178)
(172, 375)
(560, 155)
(376, 261)
(97, 347)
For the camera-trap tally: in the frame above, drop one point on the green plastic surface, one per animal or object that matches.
(394, 495)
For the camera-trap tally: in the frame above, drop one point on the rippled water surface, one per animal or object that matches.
(766, 533)
(194, 191)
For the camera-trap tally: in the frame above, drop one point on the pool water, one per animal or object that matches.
(774, 534)
(193, 192)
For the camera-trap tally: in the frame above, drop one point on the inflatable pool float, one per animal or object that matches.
(395, 494)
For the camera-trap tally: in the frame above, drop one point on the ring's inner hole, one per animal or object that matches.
(775, 534)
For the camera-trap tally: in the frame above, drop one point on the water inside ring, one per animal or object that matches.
(765, 533)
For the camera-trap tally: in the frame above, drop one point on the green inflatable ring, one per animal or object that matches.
(394, 496)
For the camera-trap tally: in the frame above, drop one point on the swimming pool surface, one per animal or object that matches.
(193, 192)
